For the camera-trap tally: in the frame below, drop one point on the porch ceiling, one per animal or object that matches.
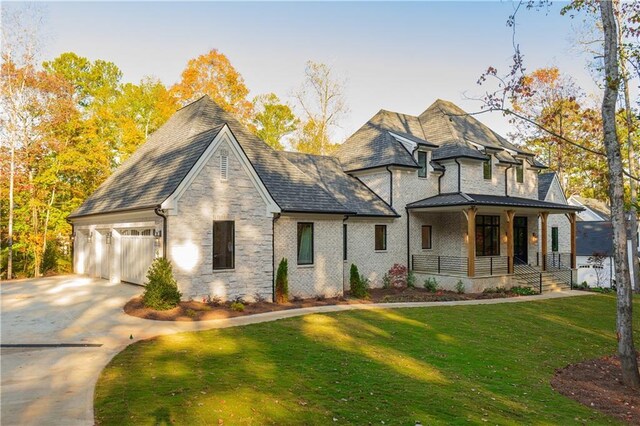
(458, 200)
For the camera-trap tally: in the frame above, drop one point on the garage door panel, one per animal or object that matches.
(137, 253)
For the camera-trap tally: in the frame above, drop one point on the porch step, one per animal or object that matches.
(529, 276)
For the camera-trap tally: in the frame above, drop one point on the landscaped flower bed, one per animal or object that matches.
(212, 309)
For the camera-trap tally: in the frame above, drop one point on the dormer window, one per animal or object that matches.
(422, 162)
(487, 169)
(519, 174)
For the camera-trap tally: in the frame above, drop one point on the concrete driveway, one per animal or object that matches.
(55, 384)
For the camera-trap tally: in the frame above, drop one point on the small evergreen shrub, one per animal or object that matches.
(460, 287)
(411, 279)
(523, 291)
(161, 289)
(398, 275)
(282, 282)
(237, 306)
(358, 284)
(431, 285)
(386, 281)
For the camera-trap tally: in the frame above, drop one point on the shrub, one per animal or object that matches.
(161, 289)
(386, 281)
(214, 300)
(237, 306)
(282, 282)
(411, 279)
(358, 284)
(258, 298)
(398, 275)
(431, 285)
(523, 291)
(460, 287)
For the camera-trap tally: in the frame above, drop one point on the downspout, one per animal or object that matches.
(408, 239)
(73, 244)
(459, 171)
(390, 186)
(158, 211)
(345, 244)
(440, 178)
(273, 256)
(506, 181)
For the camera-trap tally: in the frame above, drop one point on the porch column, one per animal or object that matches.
(543, 239)
(510, 248)
(572, 221)
(471, 243)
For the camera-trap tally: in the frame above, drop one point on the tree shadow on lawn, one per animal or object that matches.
(436, 365)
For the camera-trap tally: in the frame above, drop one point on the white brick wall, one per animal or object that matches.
(325, 276)
(378, 182)
(190, 238)
(560, 221)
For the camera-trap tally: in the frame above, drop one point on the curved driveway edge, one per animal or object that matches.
(56, 385)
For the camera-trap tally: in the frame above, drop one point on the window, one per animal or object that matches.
(223, 244)
(488, 235)
(486, 169)
(519, 174)
(422, 162)
(305, 243)
(426, 236)
(344, 241)
(554, 238)
(381, 237)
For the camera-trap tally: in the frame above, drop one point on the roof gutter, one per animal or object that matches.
(158, 211)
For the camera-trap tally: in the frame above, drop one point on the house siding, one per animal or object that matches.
(325, 276)
(378, 182)
(190, 234)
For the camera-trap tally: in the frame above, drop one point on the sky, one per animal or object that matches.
(395, 56)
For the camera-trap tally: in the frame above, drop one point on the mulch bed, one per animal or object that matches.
(598, 384)
(200, 310)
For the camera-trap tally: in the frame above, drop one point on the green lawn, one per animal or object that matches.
(466, 364)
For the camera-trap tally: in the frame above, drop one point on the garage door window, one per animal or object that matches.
(223, 244)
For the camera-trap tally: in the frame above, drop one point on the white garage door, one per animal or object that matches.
(137, 253)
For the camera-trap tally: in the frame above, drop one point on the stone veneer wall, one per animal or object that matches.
(190, 234)
(325, 276)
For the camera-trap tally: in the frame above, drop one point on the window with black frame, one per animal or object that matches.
(487, 235)
(422, 162)
(223, 244)
(305, 243)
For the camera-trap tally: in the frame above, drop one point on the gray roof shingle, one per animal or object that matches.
(463, 199)
(156, 169)
(594, 237)
(544, 184)
(349, 191)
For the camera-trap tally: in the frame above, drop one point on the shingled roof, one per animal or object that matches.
(443, 126)
(464, 199)
(349, 191)
(544, 184)
(156, 169)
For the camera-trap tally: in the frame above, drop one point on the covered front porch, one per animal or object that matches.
(478, 236)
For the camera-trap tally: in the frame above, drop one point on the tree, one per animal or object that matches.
(212, 74)
(626, 349)
(321, 98)
(510, 86)
(141, 109)
(273, 120)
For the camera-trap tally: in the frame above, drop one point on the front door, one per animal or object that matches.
(520, 244)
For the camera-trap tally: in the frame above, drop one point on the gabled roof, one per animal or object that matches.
(156, 169)
(544, 184)
(372, 145)
(445, 123)
(594, 237)
(349, 191)
(464, 199)
(598, 207)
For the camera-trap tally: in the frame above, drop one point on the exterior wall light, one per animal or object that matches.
(505, 238)
(534, 238)
(157, 234)
(90, 237)
(108, 238)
